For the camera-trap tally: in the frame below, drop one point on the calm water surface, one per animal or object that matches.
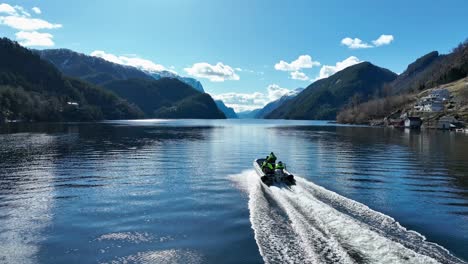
(184, 192)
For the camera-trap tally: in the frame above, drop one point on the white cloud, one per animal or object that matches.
(215, 73)
(383, 40)
(34, 38)
(355, 43)
(18, 18)
(297, 75)
(302, 62)
(242, 101)
(275, 92)
(328, 70)
(250, 101)
(142, 64)
(26, 23)
(36, 10)
(22, 11)
(7, 9)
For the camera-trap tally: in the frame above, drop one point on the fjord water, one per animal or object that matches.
(183, 191)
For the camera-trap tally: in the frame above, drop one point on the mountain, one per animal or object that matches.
(228, 111)
(167, 74)
(323, 98)
(433, 69)
(267, 109)
(33, 89)
(149, 91)
(200, 106)
(430, 71)
(166, 98)
(99, 71)
(248, 114)
(412, 77)
(89, 68)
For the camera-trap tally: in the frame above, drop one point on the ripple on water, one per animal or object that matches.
(132, 237)
(170, 256)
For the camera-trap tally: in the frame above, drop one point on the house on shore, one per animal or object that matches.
(413, 122)
(449, 122)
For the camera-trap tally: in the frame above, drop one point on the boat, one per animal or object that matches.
(277, 176)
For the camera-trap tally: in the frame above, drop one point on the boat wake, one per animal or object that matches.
(306, 223)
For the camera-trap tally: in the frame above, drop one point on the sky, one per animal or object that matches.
(245, 52)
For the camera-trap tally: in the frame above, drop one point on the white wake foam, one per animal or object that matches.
(306, 223)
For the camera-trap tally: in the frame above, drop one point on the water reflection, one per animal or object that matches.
(26, 196)
(44, 167)
(64, 187)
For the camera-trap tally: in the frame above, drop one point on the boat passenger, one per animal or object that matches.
(268, 168)
(280, 167)
(271, 158)
(264, 163)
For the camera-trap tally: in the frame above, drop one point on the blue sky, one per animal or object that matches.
(232, 47)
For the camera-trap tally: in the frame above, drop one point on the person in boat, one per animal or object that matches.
(267, 167)
(271, 158)
(264, 163)
(279, 168)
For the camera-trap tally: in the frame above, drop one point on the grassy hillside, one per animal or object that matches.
(428, 72)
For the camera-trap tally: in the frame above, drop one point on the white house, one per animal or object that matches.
(433, 106)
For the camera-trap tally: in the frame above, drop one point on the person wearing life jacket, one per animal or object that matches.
(271, 158)
(279, 168)
(267, 167)
(264, 163)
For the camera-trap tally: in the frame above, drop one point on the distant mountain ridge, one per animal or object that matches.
(32, 89)
(324, 98)
(88, 68)
(270, 107)
(433, 69)
(167, 74)
(100, 71)
(166, 98)
(150, 92)
(228, 111)
(250, 114)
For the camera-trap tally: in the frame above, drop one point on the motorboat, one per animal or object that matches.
(275, 177)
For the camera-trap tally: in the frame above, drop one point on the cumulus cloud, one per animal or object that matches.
(302, 62)
(34, 38)
(142, 64)
(275, 92)
(297, 75)
(27, 23)
(18, 18)
(383, 40)
(7, 9)
(355, 43)
(251, 101)
(36, 10)
(329, 70)
(215, 73)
